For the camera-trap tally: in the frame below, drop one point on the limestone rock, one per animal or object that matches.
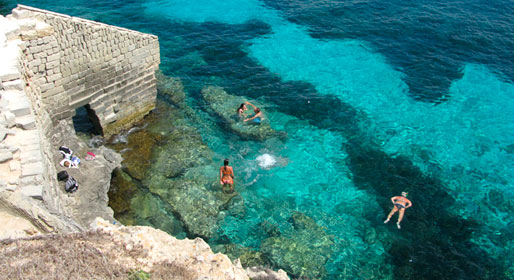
(225, 105)
(5, 156)
(9, 118)
(257, 273)
(303, 252)
(194, 254)
(36, 213)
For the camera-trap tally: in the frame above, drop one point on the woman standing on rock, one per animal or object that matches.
(227, 176)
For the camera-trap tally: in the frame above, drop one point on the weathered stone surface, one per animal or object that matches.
(30, 169)
(257, 273)
(33, 191)
(36, 213)
(9, 118)
(303, 252)
(194, 254)
(26, 122)
(5, 156)
(225, 106)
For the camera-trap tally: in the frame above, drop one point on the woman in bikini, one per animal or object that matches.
(241, 110)
(400, 204)
(227, 175)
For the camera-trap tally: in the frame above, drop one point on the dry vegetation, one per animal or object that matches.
(90, 255)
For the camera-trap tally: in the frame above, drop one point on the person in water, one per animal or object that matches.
(227, 176)
(257, 117)
(241, 110)
(400, 204)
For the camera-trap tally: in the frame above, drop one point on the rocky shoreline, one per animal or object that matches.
(32, 201)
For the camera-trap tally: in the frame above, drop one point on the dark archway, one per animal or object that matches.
(86, 121)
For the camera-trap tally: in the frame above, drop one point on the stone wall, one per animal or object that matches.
(72, 62)
(51, 65)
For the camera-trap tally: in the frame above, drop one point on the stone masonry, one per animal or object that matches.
(72, 62)
(52, 64)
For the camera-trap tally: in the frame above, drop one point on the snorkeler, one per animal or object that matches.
(241, 110)
(400, 204)
(257, 117)
(227, 175)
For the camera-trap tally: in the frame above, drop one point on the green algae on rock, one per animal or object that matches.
(303, 252)
(248, 257)
(225, 106)
(171, 88)
(121, 191)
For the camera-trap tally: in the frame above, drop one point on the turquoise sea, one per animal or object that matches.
(375, 97)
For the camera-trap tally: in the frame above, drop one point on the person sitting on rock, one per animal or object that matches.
(241, 110)
(227, 176)
(257, 117)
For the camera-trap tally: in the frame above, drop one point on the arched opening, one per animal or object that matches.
(86, 121)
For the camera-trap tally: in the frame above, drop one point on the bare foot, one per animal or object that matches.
(386, 221)
(398, 225)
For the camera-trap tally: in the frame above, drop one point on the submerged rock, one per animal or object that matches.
(192, 203)
(122, 189)
(225, 106)
(303, 252)
(247, 256)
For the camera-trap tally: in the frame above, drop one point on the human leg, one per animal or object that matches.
(400, 217)
(391, 214)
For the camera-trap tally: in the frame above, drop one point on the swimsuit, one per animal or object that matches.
(399, 206)
(257, 120)
(227, 176)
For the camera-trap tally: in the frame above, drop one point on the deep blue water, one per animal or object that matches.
(376, 97)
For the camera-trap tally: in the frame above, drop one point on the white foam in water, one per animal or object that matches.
(266, 161)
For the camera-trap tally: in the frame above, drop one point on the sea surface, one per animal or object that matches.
(376, 97)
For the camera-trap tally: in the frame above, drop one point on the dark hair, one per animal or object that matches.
(225, 164)
(240, 107)
(257, 110)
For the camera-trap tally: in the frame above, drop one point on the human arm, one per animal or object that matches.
(253, 117)
(409, 204)
(221, 176)
(248, 103)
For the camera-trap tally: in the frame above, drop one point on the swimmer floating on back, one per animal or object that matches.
(227, 176)
(400, 204)
(257, 117)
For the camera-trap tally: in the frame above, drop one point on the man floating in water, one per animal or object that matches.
(400, 204)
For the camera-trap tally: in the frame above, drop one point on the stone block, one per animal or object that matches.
(26, 122)
(30, 157)
(32, 169)
(33, 191)
(31, 180)
(47, 86)
(14, 85)
(52, 64)
(5, 155)
(28, 35)
(53, 77)
(54, 57)
(14, 165)
(20, 107)
(9, 118)
(44, 29)
(20, 13)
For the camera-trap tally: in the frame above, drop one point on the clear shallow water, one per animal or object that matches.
(348, 96)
